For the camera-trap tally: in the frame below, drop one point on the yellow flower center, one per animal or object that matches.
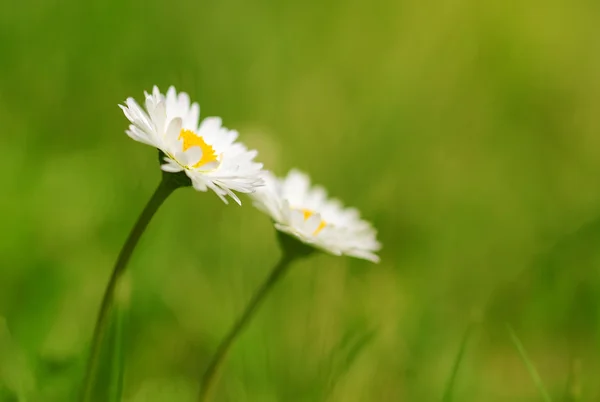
(307, 214)
(190, 139)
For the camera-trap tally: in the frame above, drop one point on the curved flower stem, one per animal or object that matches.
(210, 375)
(164, 189)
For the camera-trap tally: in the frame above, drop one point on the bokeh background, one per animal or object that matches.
(467, 131)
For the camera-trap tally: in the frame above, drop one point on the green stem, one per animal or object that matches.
(120, 311)
(211, 373)
(164, 189)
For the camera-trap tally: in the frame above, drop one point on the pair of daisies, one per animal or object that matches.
(210, 156)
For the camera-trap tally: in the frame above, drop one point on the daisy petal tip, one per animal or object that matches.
(373, 258)
(365, 255)
(279, 227)
(297, 172)
(198, 186)
(170, 168)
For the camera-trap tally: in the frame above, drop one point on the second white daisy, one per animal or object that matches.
(306, 213)
(207, 152)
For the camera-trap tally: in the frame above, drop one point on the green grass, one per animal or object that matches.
(468, 132)
(452, 379)
(535, 377)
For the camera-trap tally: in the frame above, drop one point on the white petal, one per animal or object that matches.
(159, 116)
(312, 223)
(296, 218)
(171, 167)
(231, 194)
(172, 134)
(295, 187)
(229, 137)
(191, 119)
(190, 157)
(198, 184)
(364, 254)
(127, 113)
(281, 227)
(209, 166)
(218, 191)
(209, 125)
(135, 134)
(183, 101)
(137, 113)
(171, 94)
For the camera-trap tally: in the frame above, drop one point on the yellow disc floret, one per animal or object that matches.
(191, 139)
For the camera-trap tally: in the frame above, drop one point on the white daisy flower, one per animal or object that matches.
(306, 213)
(206, 152)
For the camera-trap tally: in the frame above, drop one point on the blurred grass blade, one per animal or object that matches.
(345, 355)
(108, 384)
(461, 352)
(357, 348)
(121, 309)
(118, 359)
(573, 387)
(17, 380)
(528, 363)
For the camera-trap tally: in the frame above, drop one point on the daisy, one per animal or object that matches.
(306, 213)
(207, 152)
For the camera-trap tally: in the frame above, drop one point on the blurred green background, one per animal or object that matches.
(467, 131)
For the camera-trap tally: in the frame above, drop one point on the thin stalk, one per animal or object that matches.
(448, 393)
(162, 192)
(210, 375)
(529, 364)
(120, 313)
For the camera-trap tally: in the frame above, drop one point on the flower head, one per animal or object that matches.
(306, 213)
(207, 152)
